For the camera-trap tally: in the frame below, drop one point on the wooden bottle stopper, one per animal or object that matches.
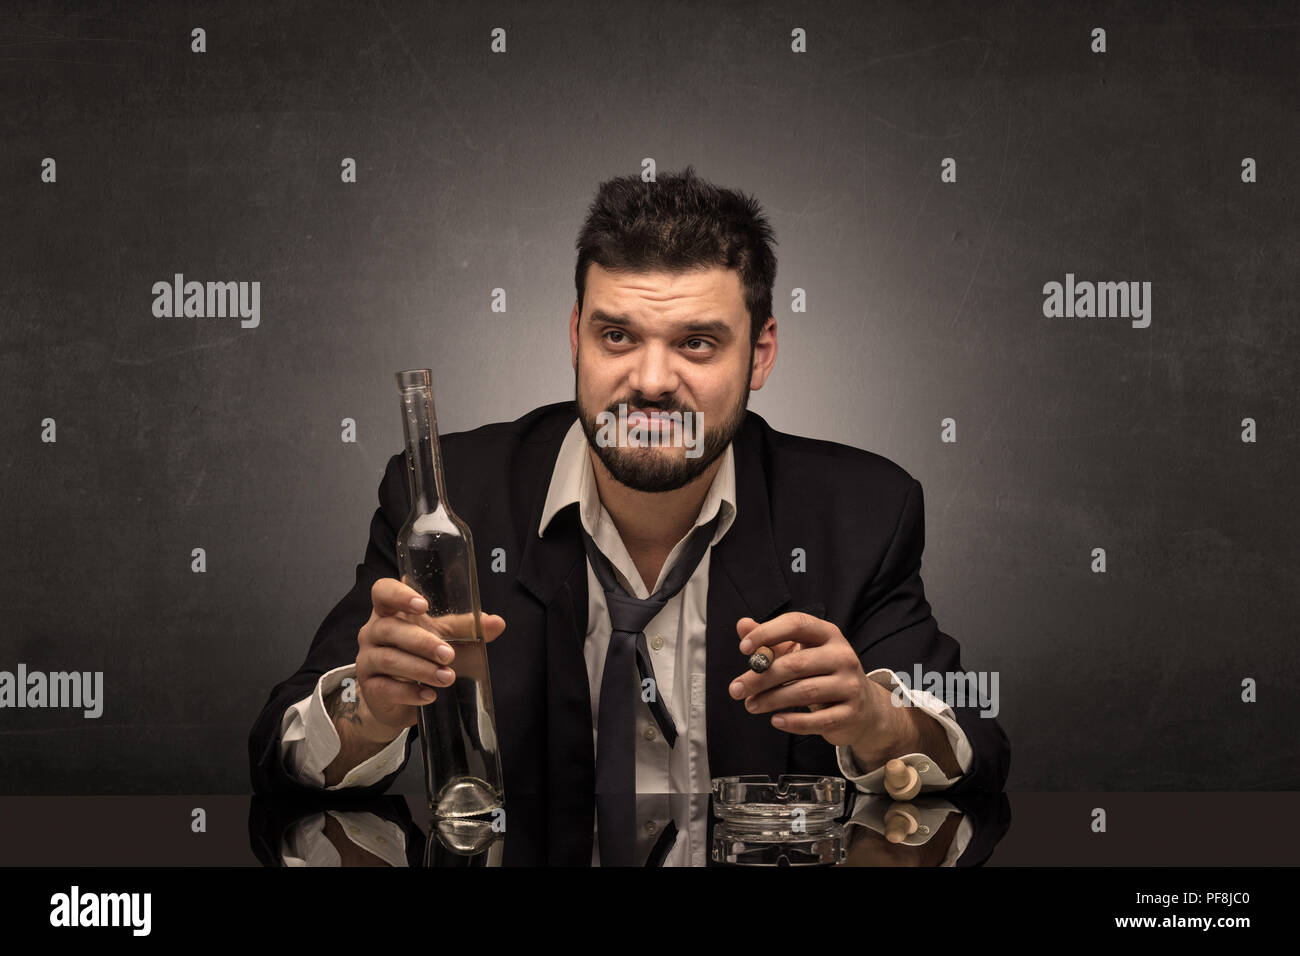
(901, 821)
(901, 780)
(761, 659)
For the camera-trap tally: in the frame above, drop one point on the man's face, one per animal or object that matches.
(674, 342)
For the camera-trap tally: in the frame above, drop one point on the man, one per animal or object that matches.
(818, 541)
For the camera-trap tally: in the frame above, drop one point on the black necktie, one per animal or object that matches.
(659, 852)
(620, 691)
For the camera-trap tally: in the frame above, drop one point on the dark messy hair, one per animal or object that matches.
(676, 224)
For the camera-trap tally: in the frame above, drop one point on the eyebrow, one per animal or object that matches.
(715, 326)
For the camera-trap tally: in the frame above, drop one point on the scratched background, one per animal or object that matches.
(924, 303)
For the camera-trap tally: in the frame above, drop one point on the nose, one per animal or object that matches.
(653, 376)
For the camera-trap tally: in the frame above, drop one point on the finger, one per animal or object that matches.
(791, 665)
(460, 627)
(812, 692)
(824, 721)
(389, 661)
(380, 690)
(389, 596)
(744, 625)
(791, 626)
(412, 638)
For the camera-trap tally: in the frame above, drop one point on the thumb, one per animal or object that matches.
(493, 626)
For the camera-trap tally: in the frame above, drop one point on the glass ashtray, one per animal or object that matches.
(792, 801)
(740, 846)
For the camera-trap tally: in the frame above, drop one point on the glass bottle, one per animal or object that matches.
(435, 557)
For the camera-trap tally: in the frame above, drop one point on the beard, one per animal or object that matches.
(660, 469)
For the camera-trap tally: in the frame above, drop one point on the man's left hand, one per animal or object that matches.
(815, 667)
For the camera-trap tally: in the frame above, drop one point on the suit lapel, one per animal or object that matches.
(745, 580)
(554, 570)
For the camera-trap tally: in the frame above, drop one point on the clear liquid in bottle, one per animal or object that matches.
(435, 557)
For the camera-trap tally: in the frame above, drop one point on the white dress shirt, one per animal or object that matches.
(676, 640)
(305, 843)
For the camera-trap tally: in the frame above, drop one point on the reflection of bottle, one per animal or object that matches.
(465, 843)
(435, 556)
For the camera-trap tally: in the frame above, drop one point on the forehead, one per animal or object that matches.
(715, 290)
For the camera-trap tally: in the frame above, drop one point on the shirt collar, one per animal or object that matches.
(574, 481)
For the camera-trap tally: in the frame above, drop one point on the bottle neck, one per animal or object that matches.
(423, 455)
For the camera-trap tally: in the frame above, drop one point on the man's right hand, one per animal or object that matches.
(402, 648)
(403, 655)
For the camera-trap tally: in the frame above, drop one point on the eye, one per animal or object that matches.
(609, 332)
(698, 339)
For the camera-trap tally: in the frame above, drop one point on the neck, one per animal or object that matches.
(649, 521)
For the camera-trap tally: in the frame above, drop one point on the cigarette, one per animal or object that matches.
(761, 659)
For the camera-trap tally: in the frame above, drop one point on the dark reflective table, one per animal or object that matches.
(671, 830)
(1156, 829)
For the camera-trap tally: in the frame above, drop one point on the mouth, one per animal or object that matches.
(653, 420)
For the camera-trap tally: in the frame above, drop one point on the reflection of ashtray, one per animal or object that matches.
(792, 801)
(739, 846)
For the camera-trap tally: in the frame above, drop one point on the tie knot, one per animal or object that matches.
(678, 575)
(631, 615)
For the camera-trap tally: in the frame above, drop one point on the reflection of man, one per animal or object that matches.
(819, 541)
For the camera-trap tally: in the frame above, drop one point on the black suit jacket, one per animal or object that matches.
(857, 516)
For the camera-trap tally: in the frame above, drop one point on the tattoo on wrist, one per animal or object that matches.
(345, 709)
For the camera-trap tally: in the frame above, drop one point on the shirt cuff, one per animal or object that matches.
(932, 778)
(305, 843)
(309, 742)
(931, 815)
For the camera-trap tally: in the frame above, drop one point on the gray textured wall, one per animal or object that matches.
(924, 301)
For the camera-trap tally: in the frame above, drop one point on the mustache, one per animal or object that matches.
(646, 406)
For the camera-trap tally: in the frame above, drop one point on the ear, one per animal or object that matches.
(764, 355)
(573, 335)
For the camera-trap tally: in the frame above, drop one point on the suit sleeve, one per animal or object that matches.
(897, 630)
(335, 645)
